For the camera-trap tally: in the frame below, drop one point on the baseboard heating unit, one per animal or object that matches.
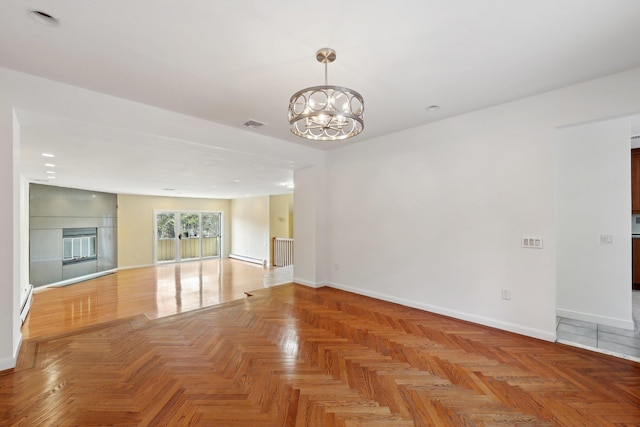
(249, 259)
(26, 305)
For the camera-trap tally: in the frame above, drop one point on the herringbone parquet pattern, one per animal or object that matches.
(294, 356)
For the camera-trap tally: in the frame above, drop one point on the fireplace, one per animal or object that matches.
(79, 245)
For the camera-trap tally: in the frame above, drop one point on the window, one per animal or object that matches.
(165, 224)
(182, 235)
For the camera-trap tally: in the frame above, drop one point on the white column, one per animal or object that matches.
(309, 226)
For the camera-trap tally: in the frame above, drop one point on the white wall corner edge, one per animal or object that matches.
(484, 321)
(593, 318)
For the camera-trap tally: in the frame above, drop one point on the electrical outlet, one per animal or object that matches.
(531, 242)
(505, 294)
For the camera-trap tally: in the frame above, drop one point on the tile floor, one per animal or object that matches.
(606, 339)
(278, 276)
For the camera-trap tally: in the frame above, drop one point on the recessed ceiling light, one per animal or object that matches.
(50, 165)
(51, 172)
(47, 155)
(432, 108)
(51, 177)
(43, 17)
(169, 189)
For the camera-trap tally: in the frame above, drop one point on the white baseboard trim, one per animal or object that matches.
(307, 283)
(485, 321)
(593, 318)
(77, 279)
(249, 259)
(133, 267)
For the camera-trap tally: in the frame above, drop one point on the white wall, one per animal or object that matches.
(432, 217)
(594, 198)
(9, 283)
(250, 228)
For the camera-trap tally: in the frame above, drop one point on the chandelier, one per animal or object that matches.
(326, 113)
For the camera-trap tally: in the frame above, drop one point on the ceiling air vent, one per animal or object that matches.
(254, 124)
(43, 17)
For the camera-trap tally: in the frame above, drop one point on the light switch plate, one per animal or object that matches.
(605, 239)
(531, 242)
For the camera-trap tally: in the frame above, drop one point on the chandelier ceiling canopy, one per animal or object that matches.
(326, 113)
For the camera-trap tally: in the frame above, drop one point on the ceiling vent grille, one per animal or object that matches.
(254, 124)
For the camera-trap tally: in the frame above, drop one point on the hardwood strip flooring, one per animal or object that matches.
(297, 356)
(157, 291)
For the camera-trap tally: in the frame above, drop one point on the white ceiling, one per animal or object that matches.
(228, 62)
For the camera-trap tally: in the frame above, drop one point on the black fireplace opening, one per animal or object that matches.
(79, 245)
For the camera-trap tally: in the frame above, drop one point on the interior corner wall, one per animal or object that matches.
(436, 213)
(136, 222)
(250, 228)
(593, 199)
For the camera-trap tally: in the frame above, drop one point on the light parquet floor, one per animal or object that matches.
(296, 356)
